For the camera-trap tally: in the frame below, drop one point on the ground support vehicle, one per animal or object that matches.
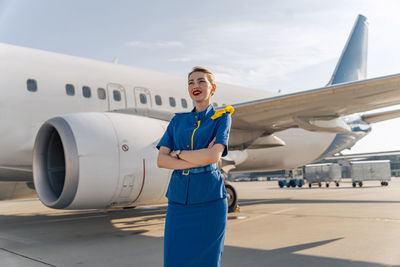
(294, 177)
(323, 173)
(374, 170)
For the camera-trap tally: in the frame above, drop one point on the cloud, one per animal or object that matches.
(154, 44)
(252, 53)
(180, 59)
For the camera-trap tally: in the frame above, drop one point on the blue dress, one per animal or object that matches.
(197, 206)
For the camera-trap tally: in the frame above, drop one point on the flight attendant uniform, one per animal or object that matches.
(197, 206)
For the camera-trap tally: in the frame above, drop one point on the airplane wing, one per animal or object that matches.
(327, 103)
(381, 116)
(314, 110)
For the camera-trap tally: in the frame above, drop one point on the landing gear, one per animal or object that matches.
(384, 183)
(327, 184)
(337, 184)
(232, 196)
(354, 184)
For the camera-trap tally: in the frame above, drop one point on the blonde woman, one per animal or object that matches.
(197, 206)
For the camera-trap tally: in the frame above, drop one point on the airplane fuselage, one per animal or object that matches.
(38, 85)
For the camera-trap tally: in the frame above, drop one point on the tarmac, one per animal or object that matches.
(335, 226)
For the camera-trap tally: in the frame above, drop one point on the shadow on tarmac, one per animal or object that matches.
(115, 238)
(247, 202)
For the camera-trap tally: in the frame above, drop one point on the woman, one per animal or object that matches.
(197, 207)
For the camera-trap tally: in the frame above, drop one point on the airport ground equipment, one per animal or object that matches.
(323, 173)
(294, 177)
(376, 170)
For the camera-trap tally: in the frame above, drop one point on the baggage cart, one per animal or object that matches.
(323, 173)
(373, 170)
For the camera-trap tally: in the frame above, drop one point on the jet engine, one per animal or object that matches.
(99, 160)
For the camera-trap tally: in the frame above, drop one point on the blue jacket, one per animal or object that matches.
(192, 131)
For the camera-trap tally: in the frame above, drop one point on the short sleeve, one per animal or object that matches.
(222, 132)
(168, 138)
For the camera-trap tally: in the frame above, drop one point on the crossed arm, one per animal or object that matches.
(190, 158)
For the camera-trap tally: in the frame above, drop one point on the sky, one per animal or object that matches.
(283, 45)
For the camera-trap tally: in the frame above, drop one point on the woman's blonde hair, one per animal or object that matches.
(208, 73)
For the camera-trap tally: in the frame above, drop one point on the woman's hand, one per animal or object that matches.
(212, 143)
(173, 154)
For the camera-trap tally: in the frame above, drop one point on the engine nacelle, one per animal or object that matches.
(99, 160)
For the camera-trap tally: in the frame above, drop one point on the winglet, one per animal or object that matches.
(352, 65)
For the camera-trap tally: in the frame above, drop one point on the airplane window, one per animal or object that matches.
(101, 93)
(86, 91)
(117, 95)
(70, 89)
(143, 98)
(215, 104)
(184, 103)
(158, 100)
(31, 85)
(172, 102)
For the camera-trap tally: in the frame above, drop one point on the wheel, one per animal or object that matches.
(300, 185)
(232, 196)
(382, 183)
(360, 184)
(327, 185)
(292, 183)
(309, 185)
(354, 184)
(281, 185)
(319, 184)
(337, 184)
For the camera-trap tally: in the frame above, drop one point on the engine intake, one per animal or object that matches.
(97, 160)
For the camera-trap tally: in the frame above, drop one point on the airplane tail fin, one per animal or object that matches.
(352, 65)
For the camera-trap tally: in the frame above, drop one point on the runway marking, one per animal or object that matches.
(282, 211)
(26, 257)
(264, 215)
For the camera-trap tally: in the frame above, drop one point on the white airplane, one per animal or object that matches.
(85, 131)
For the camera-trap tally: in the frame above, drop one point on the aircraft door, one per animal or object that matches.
(142, 97)
(116, 96)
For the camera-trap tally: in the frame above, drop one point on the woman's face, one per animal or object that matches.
(199, 87)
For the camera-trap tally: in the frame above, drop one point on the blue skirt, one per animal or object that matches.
(194, 234)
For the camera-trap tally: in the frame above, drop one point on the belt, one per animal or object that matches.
(207, 168)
